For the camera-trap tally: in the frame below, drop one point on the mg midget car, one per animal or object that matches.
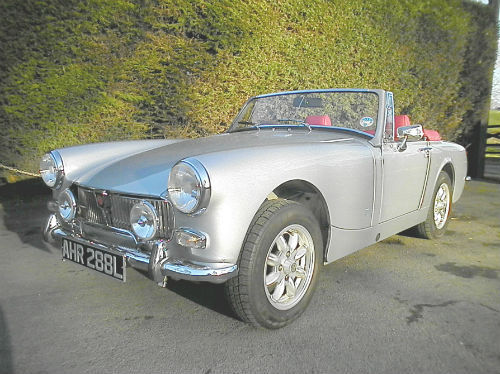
(300, 179)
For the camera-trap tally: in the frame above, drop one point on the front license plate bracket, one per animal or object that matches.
(92, 257)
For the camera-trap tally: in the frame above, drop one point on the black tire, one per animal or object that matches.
(249, 293)
(430, 229)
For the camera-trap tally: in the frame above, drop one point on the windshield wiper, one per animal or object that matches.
(298, 121)
(252, 127)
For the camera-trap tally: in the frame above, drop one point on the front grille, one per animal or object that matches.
(113, 210)
(88, 209)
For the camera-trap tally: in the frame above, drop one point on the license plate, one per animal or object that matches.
(94, 258)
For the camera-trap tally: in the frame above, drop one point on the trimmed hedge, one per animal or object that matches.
(75, 72)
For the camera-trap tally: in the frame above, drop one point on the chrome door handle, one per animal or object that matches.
(426, 150)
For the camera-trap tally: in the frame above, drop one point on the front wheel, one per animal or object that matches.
(439, 211)
(278, 266)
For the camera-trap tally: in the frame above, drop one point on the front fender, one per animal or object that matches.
(242, 179)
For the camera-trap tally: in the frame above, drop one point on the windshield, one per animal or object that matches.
(355, 111)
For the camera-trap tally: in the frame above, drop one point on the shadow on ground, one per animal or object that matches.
(25, 209)
(5, 348)
(208, 295)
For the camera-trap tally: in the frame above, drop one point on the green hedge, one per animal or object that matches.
(74, 72)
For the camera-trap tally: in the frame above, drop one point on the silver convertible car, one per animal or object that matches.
(300, 179)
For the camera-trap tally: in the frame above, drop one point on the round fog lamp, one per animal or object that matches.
(144, 220)
(66, 205)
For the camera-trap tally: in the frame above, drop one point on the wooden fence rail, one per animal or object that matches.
(492, 149)
(492, 153)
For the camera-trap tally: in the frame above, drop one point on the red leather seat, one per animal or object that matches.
(318, 121)
(399, 121)
(404, 120)
(432, 135)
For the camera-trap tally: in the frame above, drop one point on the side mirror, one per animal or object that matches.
(409, 133)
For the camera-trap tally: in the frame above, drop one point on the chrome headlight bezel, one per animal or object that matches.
(52, 169)
(194, 174)
(66, 206)
(150, 213)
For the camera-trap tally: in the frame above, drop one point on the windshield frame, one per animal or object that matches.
(380, 115)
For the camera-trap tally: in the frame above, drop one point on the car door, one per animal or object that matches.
(404, 174)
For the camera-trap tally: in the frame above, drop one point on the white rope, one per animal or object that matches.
(19, 171)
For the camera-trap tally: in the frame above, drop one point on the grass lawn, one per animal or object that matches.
(494, 119)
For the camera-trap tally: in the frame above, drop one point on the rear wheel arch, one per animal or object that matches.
(438, 215)
(450, 170)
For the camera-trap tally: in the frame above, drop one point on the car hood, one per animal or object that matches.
(146, 173)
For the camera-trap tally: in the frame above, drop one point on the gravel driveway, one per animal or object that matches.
(404, 305)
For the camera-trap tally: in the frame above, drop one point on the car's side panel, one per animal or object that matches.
(343, 171)
(444, 153)
(348, 186)
(403, 179)
(345, 242)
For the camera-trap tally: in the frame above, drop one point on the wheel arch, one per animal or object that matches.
(310, 196)
(448, 169)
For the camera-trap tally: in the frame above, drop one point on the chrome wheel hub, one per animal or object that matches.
(441, 206)
(289, 267)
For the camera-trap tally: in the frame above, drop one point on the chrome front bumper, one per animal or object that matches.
(155, 259)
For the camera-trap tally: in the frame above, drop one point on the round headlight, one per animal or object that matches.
(189, 186)
(144, 220)
(66, 205)
(51, 169)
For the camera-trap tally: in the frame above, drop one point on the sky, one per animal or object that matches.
(495, 92)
